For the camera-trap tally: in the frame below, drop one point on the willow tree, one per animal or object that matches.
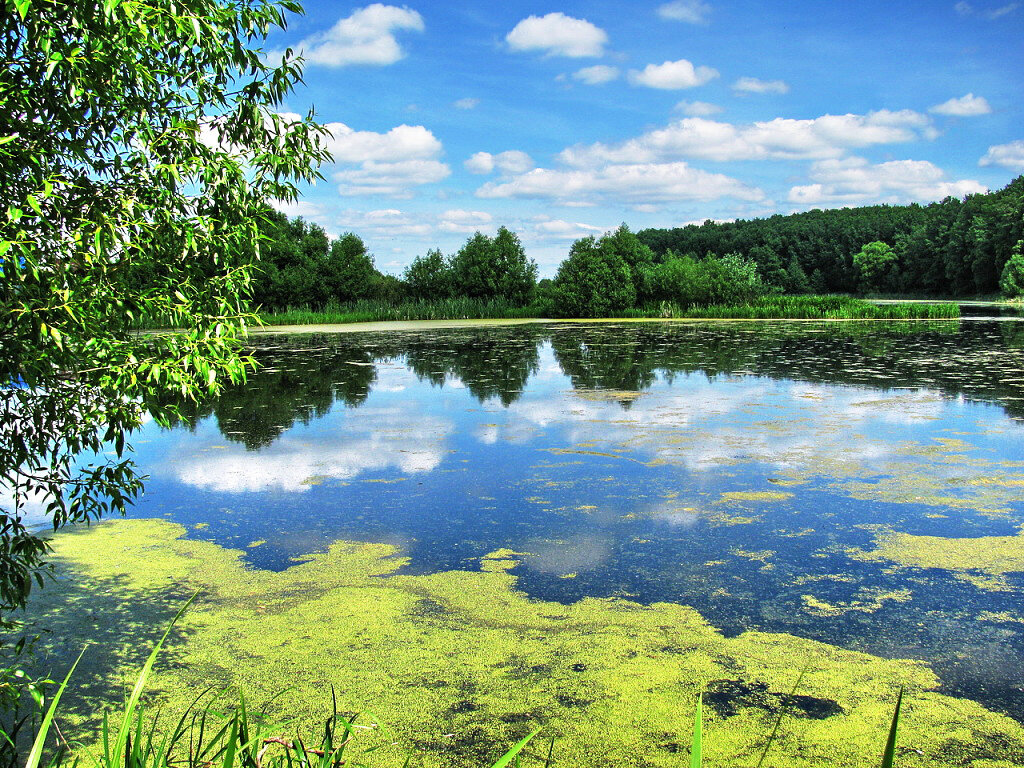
(138, 145)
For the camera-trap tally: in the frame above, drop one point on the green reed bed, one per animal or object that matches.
(806, 308)
(378, 311)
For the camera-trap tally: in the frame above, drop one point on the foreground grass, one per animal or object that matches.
(772, 307)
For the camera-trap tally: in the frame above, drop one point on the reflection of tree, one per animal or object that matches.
(491, 362)
(293, 384)
(301, 377)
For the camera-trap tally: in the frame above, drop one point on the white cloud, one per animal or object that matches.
(854, 180)
(690, 11)
(778, 139)
(383, 223)
(466, 222)
(1007, 155)
(965, 106)
(756, 85)
(365, 37)
(404, 142)
(698, 108)
(396, 179)
(597, 74)
(558, 35)
(302, 208)
(512, 161)
(672, 75)
(557, 229)
(467, 103)
(966, 9)
(629, 183)
(384, 163)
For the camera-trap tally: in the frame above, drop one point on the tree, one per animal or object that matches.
(486, 268)
(593, 281)
(875, 263)
(348, 271)
(139, 146)
(1011, 282)
(429, 277)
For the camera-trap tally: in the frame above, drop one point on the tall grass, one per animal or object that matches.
(377, 311)
(805, 308)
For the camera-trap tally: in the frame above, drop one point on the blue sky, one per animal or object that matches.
(564, 119)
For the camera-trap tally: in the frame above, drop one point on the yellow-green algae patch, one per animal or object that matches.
(460, 664)
(993, 555)
(756, 496)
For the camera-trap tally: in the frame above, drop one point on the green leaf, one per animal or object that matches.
(22, 7)
(511, 754)
(696, 747)
(889, 754)
(36, 753)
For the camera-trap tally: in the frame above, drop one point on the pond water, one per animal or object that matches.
(788, 477)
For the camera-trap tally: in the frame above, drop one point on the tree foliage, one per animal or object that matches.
(594, 281)
(138, 147)
(1011, 282)
(494, 268)
(949, 248)
(876, 264)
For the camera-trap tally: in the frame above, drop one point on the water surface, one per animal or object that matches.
(746, 469)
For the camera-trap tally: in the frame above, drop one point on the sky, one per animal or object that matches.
(564, 119)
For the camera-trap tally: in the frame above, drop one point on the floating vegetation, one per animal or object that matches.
(459, 664)
(755, 496)
(993, 555)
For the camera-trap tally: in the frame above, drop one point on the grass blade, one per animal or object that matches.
(890, 745)
(782, 713)
(509, 756)
(140, 684)
(36, 754)
(695, 747)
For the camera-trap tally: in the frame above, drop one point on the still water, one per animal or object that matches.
(759, 472)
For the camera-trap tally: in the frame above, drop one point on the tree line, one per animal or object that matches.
(950, 248)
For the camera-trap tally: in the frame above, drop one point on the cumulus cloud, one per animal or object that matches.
(597, 74)
(629, 183)
(384, 223)
(389, 163)
(558, 229)
(672, 75)
(365, 37)
(690, 11)
(558, 35)
(966, 9)
(778, 139)
(395, 179)
(512, 161)
(1006, 155)
(458, 220)
(467, 103)
(853, 180)
(698, 108)
(756, 85)
(965, 106)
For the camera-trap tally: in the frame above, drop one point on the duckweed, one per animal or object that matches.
(460, 664)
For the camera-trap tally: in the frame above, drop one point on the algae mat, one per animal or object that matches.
(459, 664)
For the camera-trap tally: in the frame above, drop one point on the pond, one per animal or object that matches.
(858, 484)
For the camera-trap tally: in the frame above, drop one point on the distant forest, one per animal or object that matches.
(953, 248)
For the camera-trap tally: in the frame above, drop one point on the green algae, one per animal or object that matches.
(460, 664)
(981, 560)
(867, 600)
(755, 496)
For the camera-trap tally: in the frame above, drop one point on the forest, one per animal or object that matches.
(952, 249)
